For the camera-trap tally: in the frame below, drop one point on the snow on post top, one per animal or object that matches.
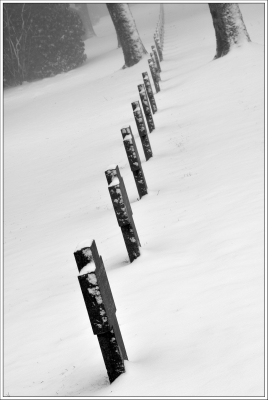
(112, 166)
(137, 106)
(113, 175)
(86, 256)
(84, 244)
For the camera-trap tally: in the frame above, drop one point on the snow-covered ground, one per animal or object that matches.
(191, 307)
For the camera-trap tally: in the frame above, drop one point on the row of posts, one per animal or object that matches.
(92, 276)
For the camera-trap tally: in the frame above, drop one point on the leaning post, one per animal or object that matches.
(158, 46)
(142, 130)
(154, 75)
(156, 58)
(146, 107)
(100, 307)
(123, 211)
(157, 70)
(134, 161)
(149, 90)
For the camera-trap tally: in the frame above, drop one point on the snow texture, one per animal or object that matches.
(85, 243)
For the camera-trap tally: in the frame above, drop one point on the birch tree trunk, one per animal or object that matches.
(127, 33)
(229, 27)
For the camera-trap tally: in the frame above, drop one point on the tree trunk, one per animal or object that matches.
(127, 33)
(118, 41)
(229, 27)
(82, 10)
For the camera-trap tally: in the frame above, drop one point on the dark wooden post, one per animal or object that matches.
(155, 67)
(134, 161)
(162, 25)
(158, 46)
(146, 107)
(101, 308)
(142, 130)
(139, 118)
(156, 58)
(149, 90)
(123, 211)
(154, 75)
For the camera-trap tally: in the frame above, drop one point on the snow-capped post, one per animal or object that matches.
(123, 211)
(154, 75)
(156, 58)
(158, 46)
(101, 308)
(149, 90)
(159, 33)
(142, 129)
(134, 161)
(155, 66)
(161, 25)
(146, 107)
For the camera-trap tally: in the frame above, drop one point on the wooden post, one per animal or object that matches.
(134, 161)
(160, 25)
(155, 67)
(154, 75)
(123, 211)
(101, 308)
(142, 130)
(159, 33)
(156, 58)
(158, 46)
(149, 90)
(146, 107)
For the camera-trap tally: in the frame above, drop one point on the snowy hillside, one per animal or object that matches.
(190, 309)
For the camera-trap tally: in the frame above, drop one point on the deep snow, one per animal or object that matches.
(190, 308)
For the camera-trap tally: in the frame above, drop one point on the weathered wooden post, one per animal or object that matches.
(146, 107)
(158, 46)
(154, 75)
(162, 20)
(159, 32)
(123, 211)
(142, 130)
(155, 67)
(101, 308)
(156, 58)
(149, 90)
(134, 160)
(162, 25)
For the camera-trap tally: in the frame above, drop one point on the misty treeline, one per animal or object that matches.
(40, 40)
(45, 39)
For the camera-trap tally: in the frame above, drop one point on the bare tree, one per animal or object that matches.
(127, 33)
(229, 27)
(16, 24)
(82, 10)
(40, 40)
